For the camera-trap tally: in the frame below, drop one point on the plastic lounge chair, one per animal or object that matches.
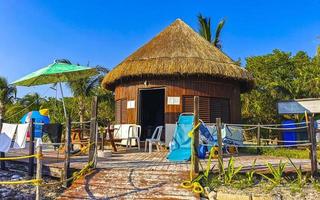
(155, 139)
(134, 133)
(180, 146)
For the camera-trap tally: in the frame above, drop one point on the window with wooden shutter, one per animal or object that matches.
(220, 108)
(204, 109)
(118, 112)
(187, 104)
(204, 105)
(209, 108)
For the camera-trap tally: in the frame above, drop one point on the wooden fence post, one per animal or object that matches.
(2, 154)
(31, 148)
(196, 133)
(313, 148)
(259, 139)
(39, 171)
(219, 135)
(67, 149)
(93, 132)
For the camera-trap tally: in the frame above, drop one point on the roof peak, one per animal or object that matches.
(178, 49)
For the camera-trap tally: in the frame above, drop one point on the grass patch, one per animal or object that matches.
(280, 152)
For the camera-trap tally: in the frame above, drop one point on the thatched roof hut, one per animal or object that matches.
(178, 51)
(158, 82)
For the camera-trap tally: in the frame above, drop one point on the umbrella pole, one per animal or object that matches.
(64, 106)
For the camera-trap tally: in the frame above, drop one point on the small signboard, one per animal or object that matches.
(299, 106)
(173, 100)
(130, 104)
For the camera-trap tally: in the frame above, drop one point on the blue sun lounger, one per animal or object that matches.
(180, 149)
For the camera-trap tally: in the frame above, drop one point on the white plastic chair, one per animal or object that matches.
(155, 139)
(134, 133)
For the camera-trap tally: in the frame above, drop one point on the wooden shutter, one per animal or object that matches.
(219, 108)
(124, 116)
(187, 104)
(204, 109)
(204, 105)
(118, 112)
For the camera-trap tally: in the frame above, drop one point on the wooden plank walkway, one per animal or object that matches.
(139, 175)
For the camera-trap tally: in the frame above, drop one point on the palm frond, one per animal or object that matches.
(217, 41)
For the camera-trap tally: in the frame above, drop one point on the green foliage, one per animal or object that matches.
(7, 95)
(315, 183)
(279, 76)
(300, 181)
(205, 30)
(229, 173)
(276, 173)
(250, 174)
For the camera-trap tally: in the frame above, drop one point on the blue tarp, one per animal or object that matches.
(38, 118)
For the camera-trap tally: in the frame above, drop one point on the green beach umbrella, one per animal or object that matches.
(56, 73)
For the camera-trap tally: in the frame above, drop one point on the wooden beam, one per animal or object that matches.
(313, 148)
(2, 154)
(31, 149)
(39, 172)
(219, 135)
(93, 131)
(259, 139)
(196, 134)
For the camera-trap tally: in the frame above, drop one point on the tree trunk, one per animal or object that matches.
(81, 112)
(2, 109)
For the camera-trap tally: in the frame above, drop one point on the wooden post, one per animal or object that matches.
(2, 154)
(93, 131)
(39, 171)
(103, 138)
(219, 135)
(196, 134)
(258, 139)
(67, 152)
(31, 148)
(313, 148)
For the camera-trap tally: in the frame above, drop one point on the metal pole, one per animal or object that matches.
(64, 105)
(67, 152)
(39, 171)
(196, 134)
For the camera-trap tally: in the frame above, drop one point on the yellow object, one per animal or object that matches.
(215, 152)
(232, 149)
(38, 156)
(44, 112)
(33, 181)
(193, 183)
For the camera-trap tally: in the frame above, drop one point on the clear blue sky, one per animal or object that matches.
(34, 33)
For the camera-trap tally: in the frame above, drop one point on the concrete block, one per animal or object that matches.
(226, 196)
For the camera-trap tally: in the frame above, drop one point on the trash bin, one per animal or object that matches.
(289, 135)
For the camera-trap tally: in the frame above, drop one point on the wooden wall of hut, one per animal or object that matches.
(227, 89)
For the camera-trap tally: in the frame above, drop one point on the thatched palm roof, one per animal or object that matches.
(178, 51)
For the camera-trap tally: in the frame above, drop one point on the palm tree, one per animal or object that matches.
(7, 95)
(205, 30)
(33, 101)
(83, 88)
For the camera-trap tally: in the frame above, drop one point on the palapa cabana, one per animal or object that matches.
(158, 82)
